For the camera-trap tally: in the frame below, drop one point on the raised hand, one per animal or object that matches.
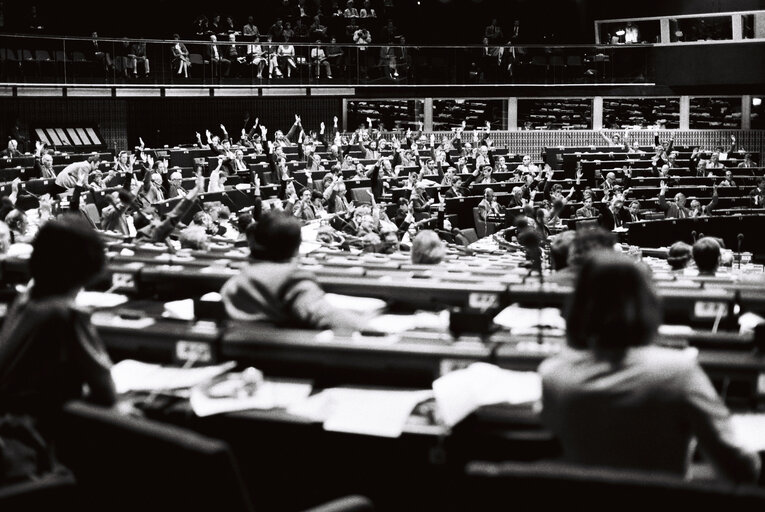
(322, 126)
(207, 132)
(150, 161)
(141, 143)
(199, 137)
(334, 120)
(223, 128)
(297, 119)
(663, 186)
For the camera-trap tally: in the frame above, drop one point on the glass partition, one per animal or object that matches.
(386, 114)
(448, 114)
(715, 113)
(641, 112)
(555, 114)
(248, 62)
(717, 28)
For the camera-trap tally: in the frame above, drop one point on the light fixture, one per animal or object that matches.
(620, 32)
(756, 102)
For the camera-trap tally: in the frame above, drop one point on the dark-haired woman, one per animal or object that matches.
(615, 399)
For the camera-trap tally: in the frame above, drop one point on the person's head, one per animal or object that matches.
(679, 255)
(526, 159)
(176, 37)
(588, 202)
(617, 203)
(613, 307)
(275, 237)
(587, 242)
(306, 194)
(715, 156)
(680, 199)
(243, 221)
(488, 194)
(427, 248)
(695, 205)
(67, 255)
(17, 221)
(156, 179)
(706, 254)
(213, 39)
(47, 161)
(123, 157)
(559, 248)
(728, 175)
(194, 237)
(701, 166)
(634, 207)
(610, 177)
(176, 178)
(12, 144)
(486, 171)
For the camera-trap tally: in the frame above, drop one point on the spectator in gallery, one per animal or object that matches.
(493, 33)
(181, 58)
(100, 54)
(631, 33)
(250, 30)
(214, 55)
(367, 11)
(658, 399)
(319, 60)
(138, 56)
(350, 10)
(748, 162)
(273, 288)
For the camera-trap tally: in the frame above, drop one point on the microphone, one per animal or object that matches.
(740, 238)
(693, 236)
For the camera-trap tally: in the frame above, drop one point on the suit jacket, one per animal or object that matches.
(672, 210)
(305, 211)
(587, 212)
(610, 221)
(639, 414)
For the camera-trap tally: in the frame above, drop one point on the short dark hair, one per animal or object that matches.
(67, 254)
(588, 241)
(275, 237)
(679, 255)
(559, 249)
(613, 306)
(706, 254)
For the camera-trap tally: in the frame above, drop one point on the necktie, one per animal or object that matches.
(681, 213)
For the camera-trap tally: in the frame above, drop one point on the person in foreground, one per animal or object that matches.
(48, 347)
(272, 288)
(615, 399)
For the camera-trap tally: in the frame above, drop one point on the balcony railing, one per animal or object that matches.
(72, 61)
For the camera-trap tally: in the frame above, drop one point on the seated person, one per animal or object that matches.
(706, 254)
(272, 287)
(587, 210)
(679, 256)
(614, 399)
(48, 348)
(427, 248)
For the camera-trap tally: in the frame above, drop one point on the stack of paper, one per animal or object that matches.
(522, 320)
(374, 412)
(130, 375)
(461, 392)
(269, 395)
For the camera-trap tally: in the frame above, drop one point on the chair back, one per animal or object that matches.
(129, 463)
(480, 225)
(492, 485)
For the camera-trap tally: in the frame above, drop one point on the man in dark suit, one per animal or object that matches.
(459, 188)
(12, 150)
(216, 58)
(635, 215)
(616, 216)
(757, 195)
(587, 210)
(676, 210)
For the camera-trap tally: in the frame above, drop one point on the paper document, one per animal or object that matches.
(374, 412)
(461, 392)
(99, 299)
(179, 309)
(269, 395)
(363, 305)
(515, 317)
(130, 375)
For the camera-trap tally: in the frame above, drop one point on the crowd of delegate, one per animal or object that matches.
(610, 331)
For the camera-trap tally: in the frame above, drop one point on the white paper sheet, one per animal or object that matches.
(516, 317)
(461, 392)
(179, 309)
(270, 395)
(130, 375)
(99, 299)
(363, 305)
(374, 412)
